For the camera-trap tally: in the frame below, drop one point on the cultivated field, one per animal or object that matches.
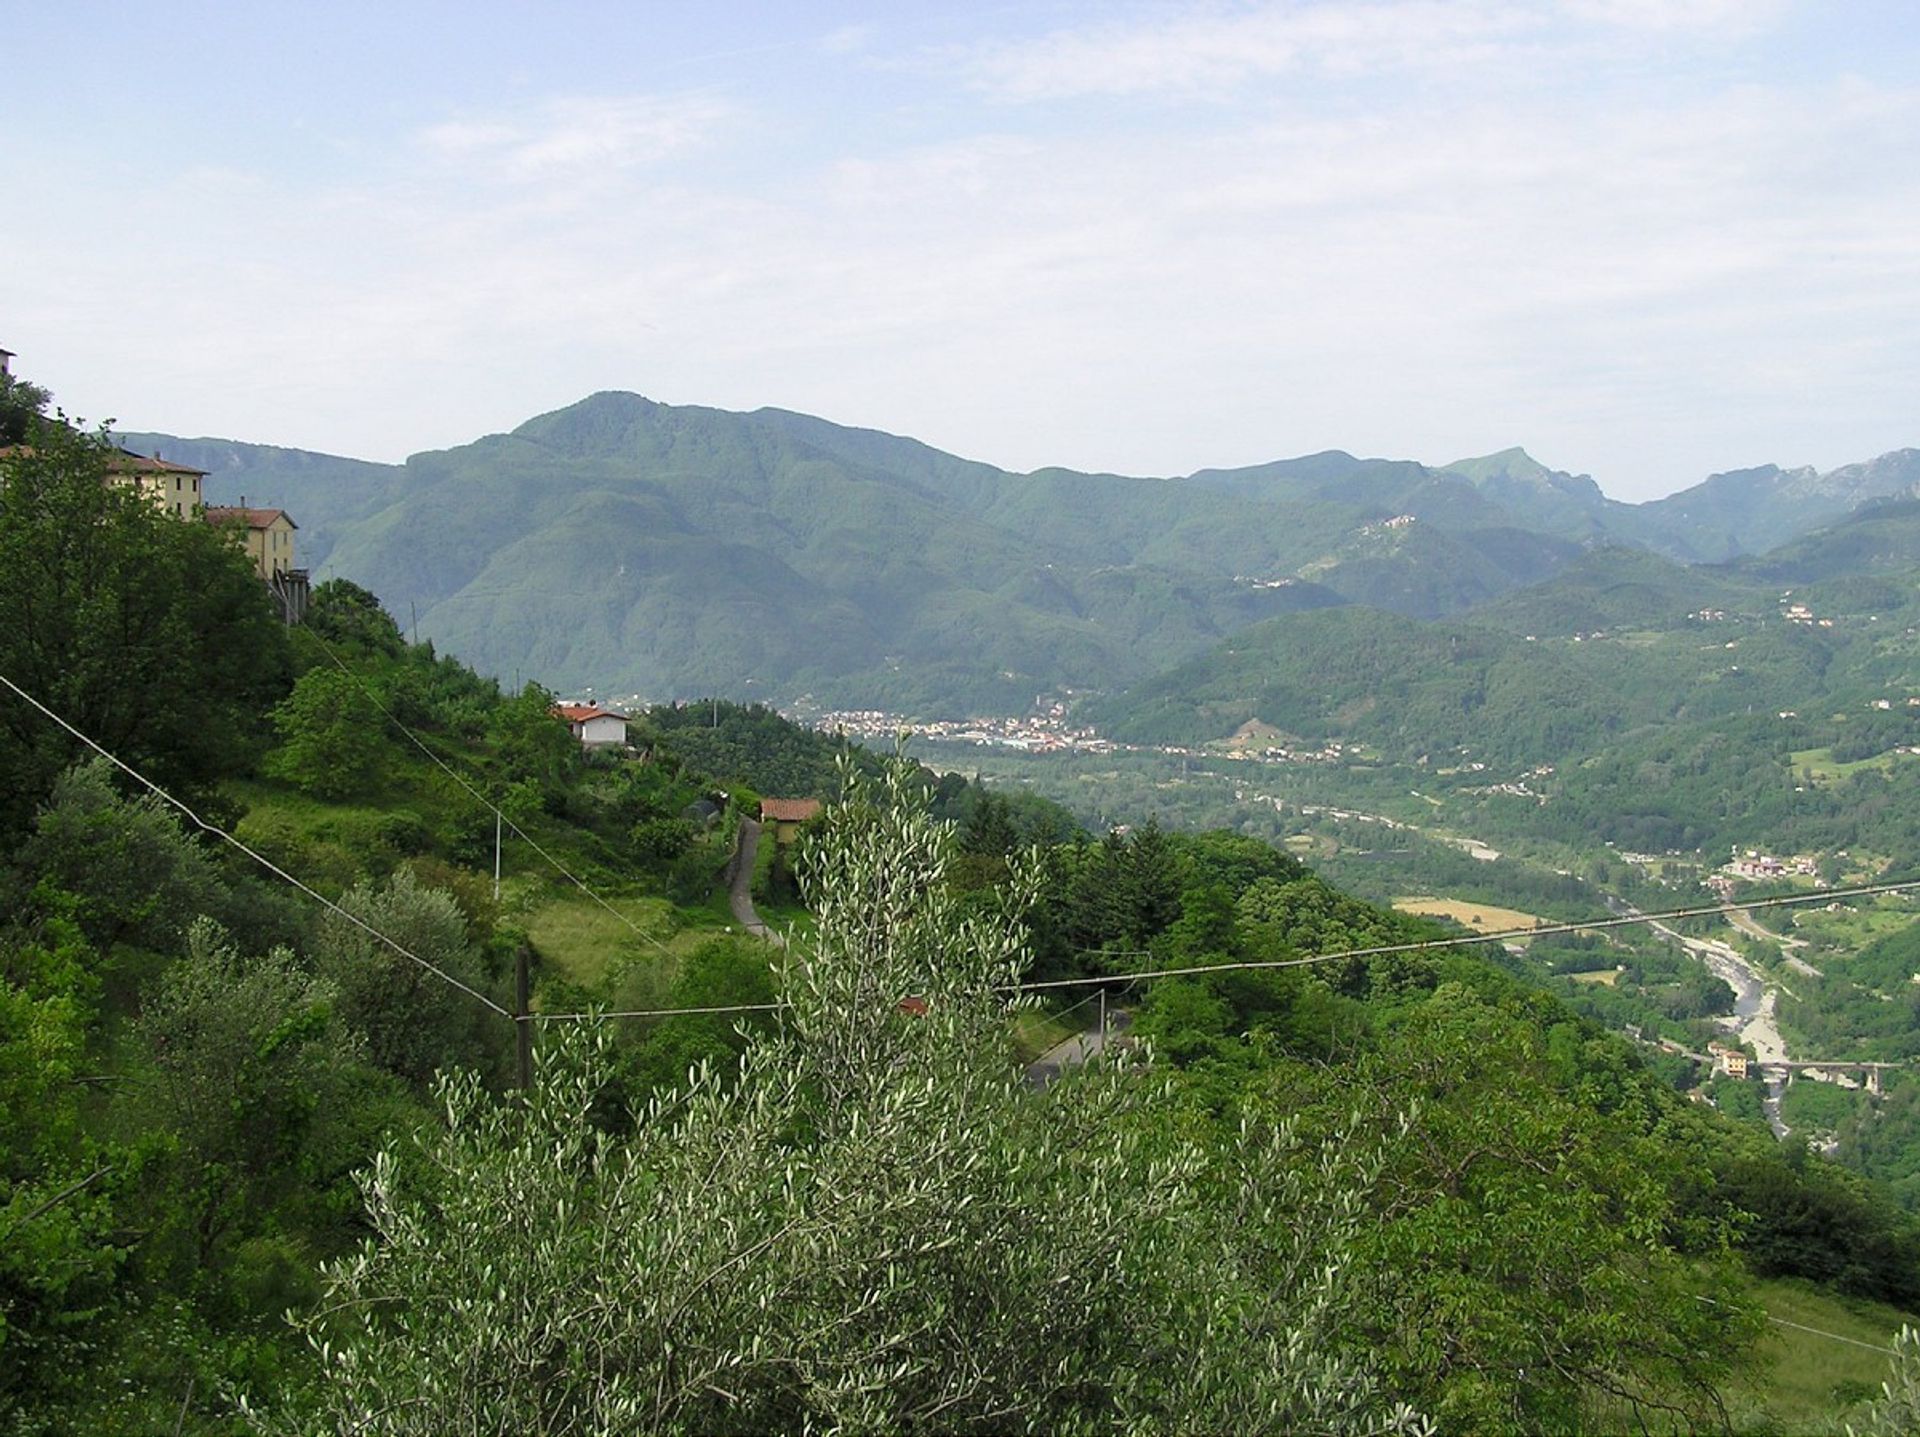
(1480, 917)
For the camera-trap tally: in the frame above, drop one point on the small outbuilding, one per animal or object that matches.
(785, 815)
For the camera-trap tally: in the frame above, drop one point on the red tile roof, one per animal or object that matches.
(789, 810)
(580, 713)
(124, 461)
(253, 518)
(121, 461)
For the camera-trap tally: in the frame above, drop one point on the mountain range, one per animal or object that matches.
(669, 550)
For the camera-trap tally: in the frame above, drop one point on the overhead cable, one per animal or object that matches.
(486, 802)
(255, 855)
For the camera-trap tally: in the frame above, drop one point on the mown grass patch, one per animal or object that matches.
(1818, 764)
(1609, 976)
(595, 950)
(1809, 1382)
(1857, 924)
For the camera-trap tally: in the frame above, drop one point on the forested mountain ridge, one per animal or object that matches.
(637, 546)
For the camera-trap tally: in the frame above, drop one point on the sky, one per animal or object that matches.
(1646, 239)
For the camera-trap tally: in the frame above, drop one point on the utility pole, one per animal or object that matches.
(522, 1021)
(496, 855)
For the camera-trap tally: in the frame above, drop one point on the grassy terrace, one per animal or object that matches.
(1818, 764)
(1808, 1383)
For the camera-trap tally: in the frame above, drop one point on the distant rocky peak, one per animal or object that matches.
(1891, 473)
(1514, 463)
(1513, 474)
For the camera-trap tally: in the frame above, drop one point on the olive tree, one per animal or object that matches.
(873, 1224)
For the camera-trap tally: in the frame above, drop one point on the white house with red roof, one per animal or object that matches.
(594, 726)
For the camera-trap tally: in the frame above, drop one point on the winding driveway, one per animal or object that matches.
(746, 847)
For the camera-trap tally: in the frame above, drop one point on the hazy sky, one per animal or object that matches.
(1646, 238)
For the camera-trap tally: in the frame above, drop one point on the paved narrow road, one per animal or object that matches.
(740, 894)
(1078, 1049)
(1744, 921)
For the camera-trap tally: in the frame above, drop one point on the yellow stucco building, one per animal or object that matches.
(267, 533)
(173, 487)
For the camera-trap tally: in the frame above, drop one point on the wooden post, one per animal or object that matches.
(522, 1021)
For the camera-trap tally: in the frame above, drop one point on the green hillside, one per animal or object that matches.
(1623, 588)
(1882, 539)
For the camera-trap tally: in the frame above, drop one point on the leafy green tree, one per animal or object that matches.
(531, 745)
(1896, 1412)
(151, 635)
(1814, 1220)
(1184, 1019)
(1207, 928)
(346, 615)
(720, 973)
(876, 1225)
(1531, 1267)
(333, 741)
(659, 842)
(135, 876)
(414, 1023)
(1151, 880)
(23, 408)
(59, 1258)
(694, 871)
(989, 829)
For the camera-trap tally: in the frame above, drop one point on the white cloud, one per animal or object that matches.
(1728, 16)
(847, 39)
(1631, 273)
(1207, 49)
(575, 133)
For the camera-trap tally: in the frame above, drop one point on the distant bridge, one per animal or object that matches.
(1784, 1068)
(1871, 1070)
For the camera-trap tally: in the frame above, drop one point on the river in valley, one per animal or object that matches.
(1754, 1002)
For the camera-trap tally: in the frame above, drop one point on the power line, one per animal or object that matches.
(455, 775)
(517, 1019)
(1345, 954)
(1802, 1327)
(591, 1015)
(1473, 939)
(254, 854)
(1099, 979)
